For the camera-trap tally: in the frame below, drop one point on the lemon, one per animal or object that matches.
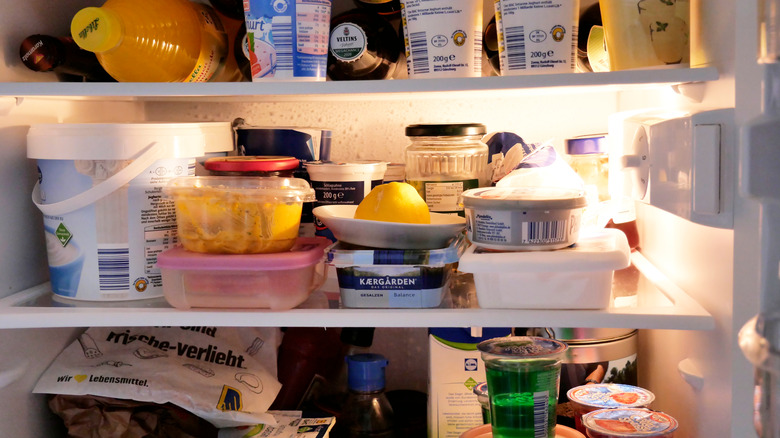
(394, 202)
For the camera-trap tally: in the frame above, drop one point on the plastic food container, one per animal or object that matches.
(270, 281)
(238, 215)
(588, 398)
(393, 278)
(523, 218)
(579, 277)
(252, 166)
(629, 423)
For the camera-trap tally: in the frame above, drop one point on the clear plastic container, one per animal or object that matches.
(153, 41)
(445, 160)
(243, 281)
(238, 215)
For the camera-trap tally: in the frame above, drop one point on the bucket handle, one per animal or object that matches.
(152, 153)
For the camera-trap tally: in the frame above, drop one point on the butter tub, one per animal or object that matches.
(393, 278)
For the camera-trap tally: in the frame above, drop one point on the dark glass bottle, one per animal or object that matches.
(490, 45)
(61, 55)
(230, 8)
(389, 8)
(362, 46)
(367, 411)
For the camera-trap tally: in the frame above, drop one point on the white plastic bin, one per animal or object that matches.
(578, 277)
(100, 192)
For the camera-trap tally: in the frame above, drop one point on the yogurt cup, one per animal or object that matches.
(588, 398)
(523, 218)
(443, 38)
(342, 183)
(629, 423)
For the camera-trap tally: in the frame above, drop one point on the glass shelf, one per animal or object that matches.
(656, 304)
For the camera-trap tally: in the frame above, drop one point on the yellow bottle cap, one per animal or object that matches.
(96, 29)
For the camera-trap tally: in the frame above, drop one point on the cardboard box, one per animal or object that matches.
(455, 368)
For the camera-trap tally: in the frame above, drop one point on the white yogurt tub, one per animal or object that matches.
(523, 218)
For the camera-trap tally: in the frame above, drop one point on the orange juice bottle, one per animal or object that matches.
(153, 40)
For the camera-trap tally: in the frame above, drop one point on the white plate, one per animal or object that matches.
(340, 220)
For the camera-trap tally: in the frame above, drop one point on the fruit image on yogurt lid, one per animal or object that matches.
(610, 395)
(629, 423)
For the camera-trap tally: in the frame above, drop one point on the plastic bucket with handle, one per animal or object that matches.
(100, 191)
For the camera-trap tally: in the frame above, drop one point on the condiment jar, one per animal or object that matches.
(252, 166)
(442, 161)
(588, 156)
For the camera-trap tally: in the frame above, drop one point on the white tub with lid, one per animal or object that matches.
(523, 218)
(100, 192)
(579, 277)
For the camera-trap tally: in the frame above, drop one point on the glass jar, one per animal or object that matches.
(443, 161)
(588, 156)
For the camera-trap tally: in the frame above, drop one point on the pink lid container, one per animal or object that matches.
(629, 423)
(277, 281)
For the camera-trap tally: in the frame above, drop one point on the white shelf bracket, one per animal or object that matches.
(691, 373)
(691, 90)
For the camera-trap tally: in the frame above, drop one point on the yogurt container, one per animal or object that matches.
(588, 398)
(629, 423)
(443, 38)
(288, 39)
(481, 391)
(523, 218)
(342, 183)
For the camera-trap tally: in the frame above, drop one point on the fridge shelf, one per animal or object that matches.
(657, 304)
(350, 89)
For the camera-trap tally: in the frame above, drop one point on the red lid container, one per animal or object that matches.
(252, 165)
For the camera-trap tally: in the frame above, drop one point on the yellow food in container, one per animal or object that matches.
(238, 215)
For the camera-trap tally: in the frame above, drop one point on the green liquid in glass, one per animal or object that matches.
(523, 396)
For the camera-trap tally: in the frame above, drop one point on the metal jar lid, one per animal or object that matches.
(446, 130)
(587, 144)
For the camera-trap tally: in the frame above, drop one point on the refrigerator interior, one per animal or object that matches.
(691, 362)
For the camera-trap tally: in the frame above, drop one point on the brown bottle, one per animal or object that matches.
(61, 55)
(362, 46)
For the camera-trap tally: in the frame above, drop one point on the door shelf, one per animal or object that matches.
(392, 89)
(658, 304)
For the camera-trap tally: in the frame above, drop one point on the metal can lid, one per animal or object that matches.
(587, 144)
(629, 423)
(446, 130)
(251, 163)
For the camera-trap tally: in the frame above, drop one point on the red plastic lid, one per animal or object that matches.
(271, 163)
